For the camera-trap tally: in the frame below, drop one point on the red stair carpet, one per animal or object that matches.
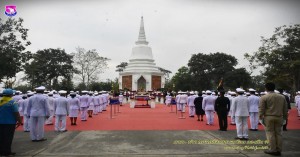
(158, 118)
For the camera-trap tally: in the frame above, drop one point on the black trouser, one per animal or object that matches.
(222, 115)
(285, 125)
(6, 136)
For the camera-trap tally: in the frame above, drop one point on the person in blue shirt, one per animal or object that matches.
(9, 120)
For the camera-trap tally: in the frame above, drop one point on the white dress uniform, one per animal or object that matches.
(177, 102)
(297, 102)
(182, 102)
(208, 105)
(253, 111)
(191, 105)
(168, 99)
(61, 110)
(49, 121)
(16, 98)
(101, 102)
(232, 120)
(105, 101)
(121, 98)
(240, 109)
(96, 105)
(91, 103)
(74, 106)
(21, 104)
(26, 125)
(38, 111)
(84, 106)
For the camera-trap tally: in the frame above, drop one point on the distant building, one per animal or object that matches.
(141, 73)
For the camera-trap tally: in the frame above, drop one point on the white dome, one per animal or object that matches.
(141, 52)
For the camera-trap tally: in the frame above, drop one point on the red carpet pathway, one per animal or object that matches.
(158, 118)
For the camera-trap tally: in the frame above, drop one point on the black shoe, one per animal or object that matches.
(43, 139)
(34, 140)
(201, 119)
(285, 130)
(238, 138)
(272, 153)
(64, 131)
(244, 138)
(198, 119)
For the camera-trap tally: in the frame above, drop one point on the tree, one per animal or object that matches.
(89, 64)
(13, 42)
(237, 78)
(279, 56)
(182, 79)
(207, 69)
(121, 66)
(47, 66)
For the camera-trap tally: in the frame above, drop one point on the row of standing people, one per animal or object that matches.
(39, 109)
(236, 105)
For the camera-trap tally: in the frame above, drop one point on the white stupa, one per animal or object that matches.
(141, 74)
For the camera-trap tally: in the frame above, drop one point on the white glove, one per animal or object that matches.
(284, 122)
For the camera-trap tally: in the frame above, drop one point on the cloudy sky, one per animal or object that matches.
(175, 29)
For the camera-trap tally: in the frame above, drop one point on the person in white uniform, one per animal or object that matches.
(49, 121)
(168, 99)
(61, 110)
(101, 102)
(191, 104)
(208, 105)
(21, 105)
(38, 111)
(253, 111)
(240, 110)
(91, 104)
(26, 125)
(182, 101)
(177, 100)
(96, 104)
(297, 102)
(232, 120)
(84, 105)
(121, 99)
(74, 106)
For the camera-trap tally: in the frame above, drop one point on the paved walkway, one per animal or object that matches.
(150, 144)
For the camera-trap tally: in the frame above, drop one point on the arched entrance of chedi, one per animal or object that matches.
(141, 84)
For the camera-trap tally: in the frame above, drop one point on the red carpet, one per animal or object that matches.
(158, 118)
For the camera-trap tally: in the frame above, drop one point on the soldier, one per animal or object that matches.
(21, 105)
(26, 125)
(240, 110)
(84, 105)
(91, 104)
(253, 111)
(191, 104)
(177, 100)
(61, 109)
(17, 96)
(272, 114)
(38, 110)
(232, 96)
(168, 99)
(49, 121)
(96, 104)
(74, 105)
(121, 99)
(222, 107)
(182, 101)
(208, 106)
(297, 102)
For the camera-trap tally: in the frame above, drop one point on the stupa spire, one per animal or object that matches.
(142, 35)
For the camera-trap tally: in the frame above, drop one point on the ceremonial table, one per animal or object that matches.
(142, 98)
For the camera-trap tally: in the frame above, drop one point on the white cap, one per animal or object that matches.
(50, 93)
(298, 92)
(240, 90)
(263, 93)
(203, 92)
(62, 92)
(213, 93)
(84, 91)
(252, 90)
(232, 93)
(30, 93)
(18, 91)
(208, 92)
(40, 88)
(192, 93)
(276, 91)
(73, 93)
(247, 93)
